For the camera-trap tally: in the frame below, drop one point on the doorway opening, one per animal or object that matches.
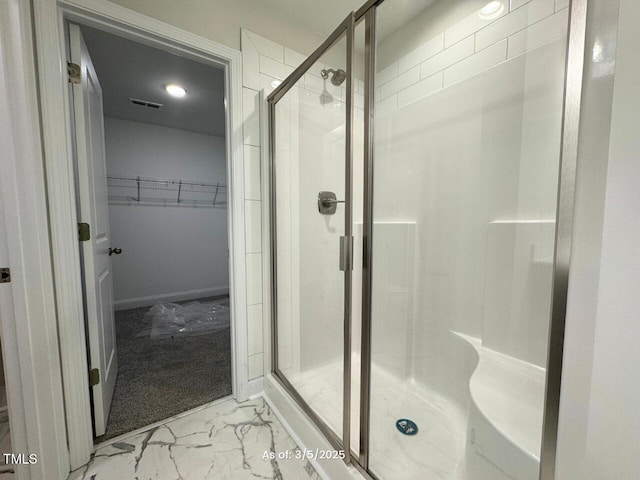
(151, 174)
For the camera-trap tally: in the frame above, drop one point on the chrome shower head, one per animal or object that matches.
(337, 77)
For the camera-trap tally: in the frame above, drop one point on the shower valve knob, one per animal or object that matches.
(327, 203)
(115, 251)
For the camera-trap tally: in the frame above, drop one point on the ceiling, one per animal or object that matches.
(127, 69)
(321, 16)
(324, 16)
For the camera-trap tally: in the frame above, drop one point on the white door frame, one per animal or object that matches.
(50, 16)
(27, 305)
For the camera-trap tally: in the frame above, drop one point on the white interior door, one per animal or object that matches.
(94, 210)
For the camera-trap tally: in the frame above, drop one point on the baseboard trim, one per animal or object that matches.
(255, 388)
(171, 297)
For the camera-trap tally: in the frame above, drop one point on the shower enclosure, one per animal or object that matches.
(421, 187)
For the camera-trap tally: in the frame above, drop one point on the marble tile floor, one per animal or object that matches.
(224, 440)
(437, 452)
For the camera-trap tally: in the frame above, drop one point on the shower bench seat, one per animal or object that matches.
(505, 419)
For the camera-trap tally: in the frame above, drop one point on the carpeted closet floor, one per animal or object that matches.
(159, 378)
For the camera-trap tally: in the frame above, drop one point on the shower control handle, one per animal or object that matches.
(327, 203)
(116, 251)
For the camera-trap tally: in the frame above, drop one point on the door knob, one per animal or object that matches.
(116, 251)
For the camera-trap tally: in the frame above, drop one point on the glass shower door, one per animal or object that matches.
(311, 234)
(468, 114)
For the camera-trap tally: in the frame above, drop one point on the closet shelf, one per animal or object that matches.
(182, 191)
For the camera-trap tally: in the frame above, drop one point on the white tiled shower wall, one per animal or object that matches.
(467, 48)
(467, 142)
(464, 49)
(263, 62)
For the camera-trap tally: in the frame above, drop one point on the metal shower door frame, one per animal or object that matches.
(346, 28)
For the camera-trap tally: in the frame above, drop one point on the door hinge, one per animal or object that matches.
(94, 377)
(84, 232)
(5, 275)
(74, 72)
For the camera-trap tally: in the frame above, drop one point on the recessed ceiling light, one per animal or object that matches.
(175, 90)
(491, 10)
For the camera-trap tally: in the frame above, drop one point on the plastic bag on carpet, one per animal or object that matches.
(195, 318)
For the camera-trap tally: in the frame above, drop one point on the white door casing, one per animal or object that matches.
(27, 303)
(94, 210)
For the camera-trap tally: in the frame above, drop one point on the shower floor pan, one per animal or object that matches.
(498, 438)
(437, 451)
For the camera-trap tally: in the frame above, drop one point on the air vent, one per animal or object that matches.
(145, 103)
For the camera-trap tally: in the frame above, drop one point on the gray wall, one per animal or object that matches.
(168, 251)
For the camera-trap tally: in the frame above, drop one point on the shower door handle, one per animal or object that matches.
(346, 253)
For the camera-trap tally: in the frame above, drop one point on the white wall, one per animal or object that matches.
(613, 443)
(221, 20)
(169, 251)
(598, 435)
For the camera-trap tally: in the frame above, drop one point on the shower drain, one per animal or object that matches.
(406, 426)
